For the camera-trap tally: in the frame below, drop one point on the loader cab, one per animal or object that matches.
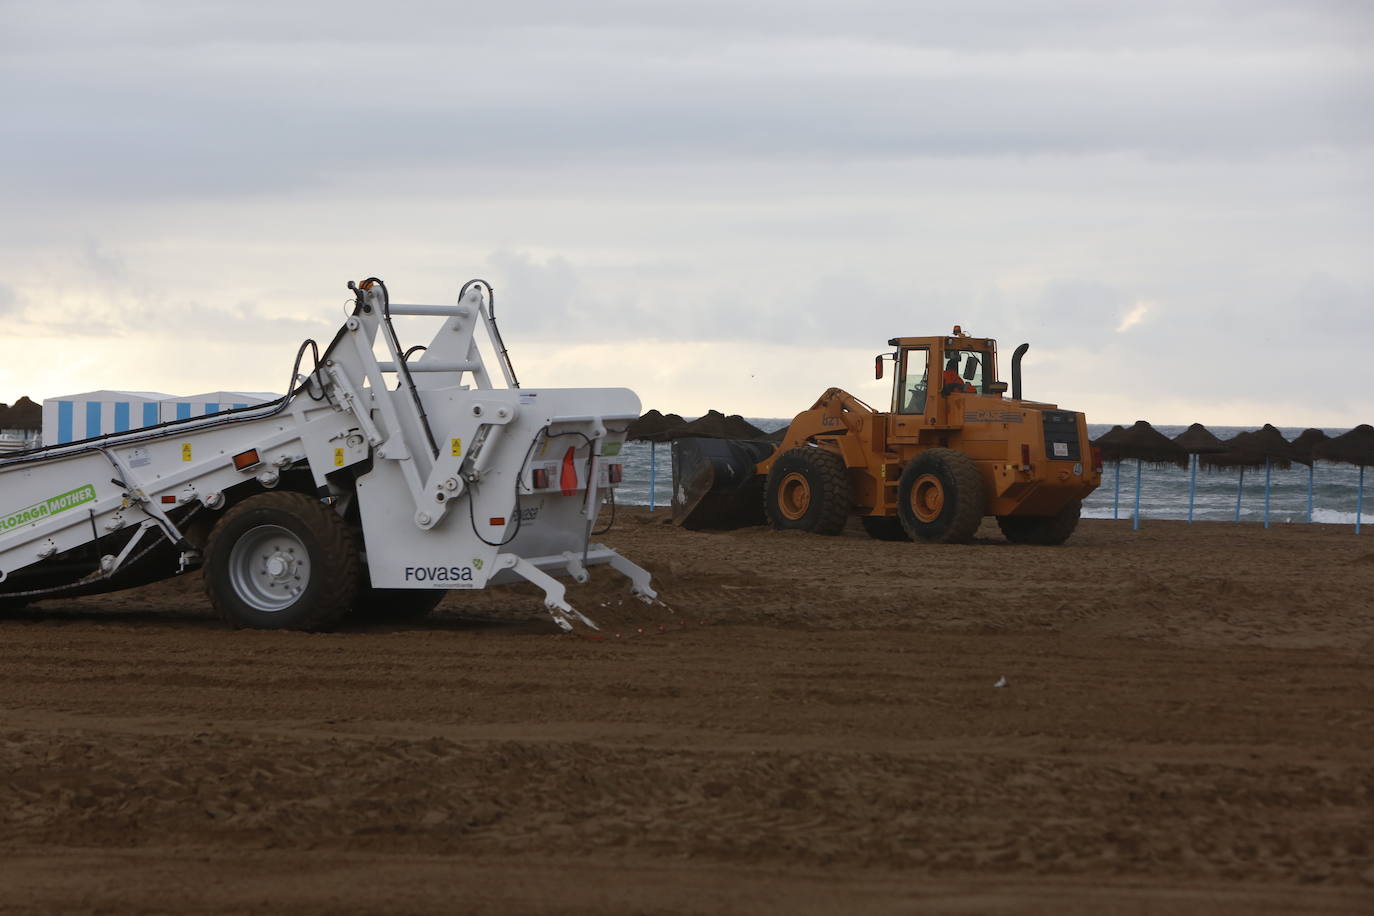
(931, 369)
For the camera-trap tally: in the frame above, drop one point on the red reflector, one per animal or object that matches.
(1097, 459)
(245, 460)
(615, 473)
(1025, 457)
(497, 521)
(567, 480)
(169, 499)
(541, 478)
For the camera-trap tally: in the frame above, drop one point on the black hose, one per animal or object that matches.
(495, 331)
(403, 369)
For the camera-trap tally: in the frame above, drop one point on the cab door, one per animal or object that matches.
(913, 396)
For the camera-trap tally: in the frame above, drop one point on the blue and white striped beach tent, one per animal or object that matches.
(96, 413)
(200, 405)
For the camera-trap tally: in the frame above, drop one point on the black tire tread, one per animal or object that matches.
(829, 485)
(968, 496)
(338, 559)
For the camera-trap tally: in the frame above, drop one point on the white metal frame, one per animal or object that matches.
(445, 520)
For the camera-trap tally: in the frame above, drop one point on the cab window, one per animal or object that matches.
(913, 380)
(963, 368)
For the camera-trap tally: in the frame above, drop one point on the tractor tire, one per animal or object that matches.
(940, 497)
(1045, 530)
(282, 561)
(396, 605)
(884, 528)
(808, 489)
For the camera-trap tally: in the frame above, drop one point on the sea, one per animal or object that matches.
(1221, 496)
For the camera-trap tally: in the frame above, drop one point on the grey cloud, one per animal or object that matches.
(973, 24)
(235, 111)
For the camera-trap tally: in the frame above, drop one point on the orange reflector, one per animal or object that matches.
(1025, 457)
(567, 480)
(245, 460)
(497, 520)
(615, 473)
(169, 499)
(541, 478)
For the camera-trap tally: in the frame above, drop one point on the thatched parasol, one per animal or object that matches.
(656, 427)
(24, 414)
(1143, 443)
(1355, 447)
(1252, 449)
(1306, 441)
(653, 425)
(1197, 440)
(1264, 447)
(1105, 444)
(716, 425)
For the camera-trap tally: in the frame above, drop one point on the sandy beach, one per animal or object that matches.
(1186, 726)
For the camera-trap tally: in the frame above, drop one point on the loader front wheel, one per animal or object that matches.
(940, 497)
(808, 489)
(282, 561)
(1045, 530)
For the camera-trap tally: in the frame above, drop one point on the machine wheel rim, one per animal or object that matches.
(927, 498)
(269, 568)
(794, 496)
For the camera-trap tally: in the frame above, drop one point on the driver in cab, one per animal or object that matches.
(953, 383)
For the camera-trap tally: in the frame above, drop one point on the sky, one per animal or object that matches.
(728, 205)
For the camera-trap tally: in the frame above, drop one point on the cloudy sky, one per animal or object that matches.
(718, 204)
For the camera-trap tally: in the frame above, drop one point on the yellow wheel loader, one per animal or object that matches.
(951, 450)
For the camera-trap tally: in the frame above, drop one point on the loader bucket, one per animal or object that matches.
(715, 482)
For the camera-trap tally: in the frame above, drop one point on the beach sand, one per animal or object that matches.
(1187, 726)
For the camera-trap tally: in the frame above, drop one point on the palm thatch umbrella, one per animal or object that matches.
(654, 427)
(1197, 440)
(1355, 447)
(1144, 443)
(1306, 441)
(716, 425)
(1264, 447)
(1105, 443)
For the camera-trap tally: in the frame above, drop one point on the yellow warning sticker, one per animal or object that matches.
(185, 451)
(457, 448)
(338, 457)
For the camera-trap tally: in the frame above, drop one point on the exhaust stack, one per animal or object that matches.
(1016, 370)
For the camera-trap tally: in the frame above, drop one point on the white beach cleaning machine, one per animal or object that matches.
(374, 486)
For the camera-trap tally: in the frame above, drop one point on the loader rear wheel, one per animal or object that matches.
(282, 561)
(884, 528)
(808, 489)
(940, 497)
(396, 605)
(1045, 530)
